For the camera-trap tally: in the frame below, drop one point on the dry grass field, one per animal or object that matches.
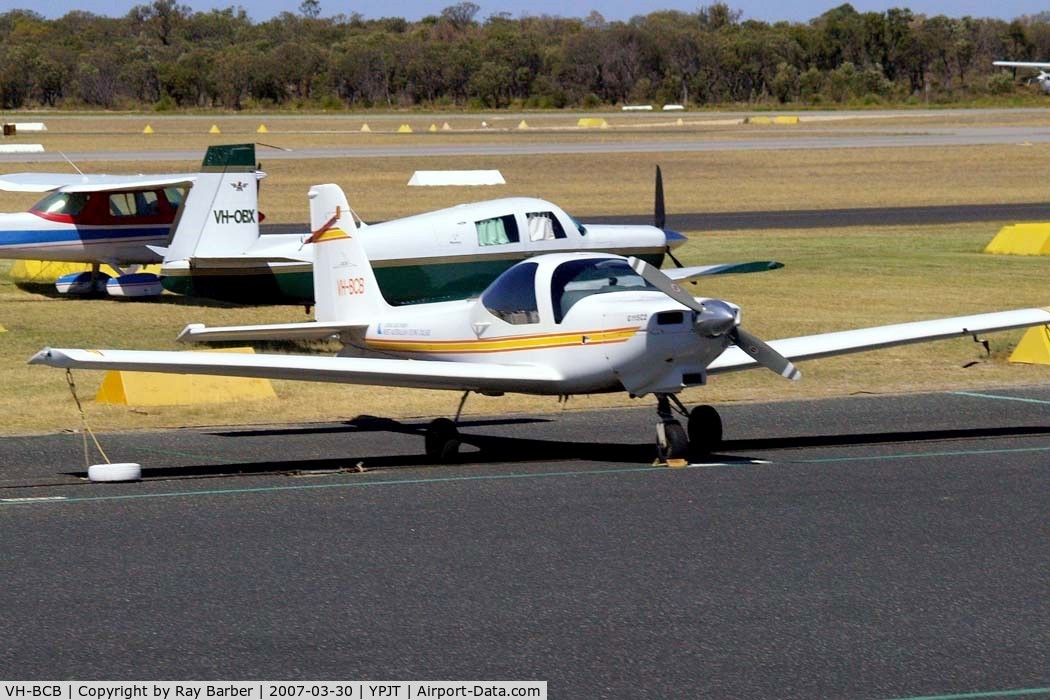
(834, 279)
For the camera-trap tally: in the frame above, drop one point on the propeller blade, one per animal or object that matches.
(764, 354)
(659, 216)
(664, 283)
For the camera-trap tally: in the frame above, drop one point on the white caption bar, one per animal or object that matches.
(269, 690)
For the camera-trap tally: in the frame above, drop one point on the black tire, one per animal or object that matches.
(675, 444)
(442, 441)
(705, 431)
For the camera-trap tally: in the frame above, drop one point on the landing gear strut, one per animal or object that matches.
(673, 442)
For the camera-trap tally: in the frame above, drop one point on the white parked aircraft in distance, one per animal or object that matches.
(1043, 78)
(558, 324)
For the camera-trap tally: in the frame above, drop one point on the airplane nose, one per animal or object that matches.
(674, 239)
(717, 319)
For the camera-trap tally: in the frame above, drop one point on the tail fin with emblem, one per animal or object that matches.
(345, 288)
(220, 217)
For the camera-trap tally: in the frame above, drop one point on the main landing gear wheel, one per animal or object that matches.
(442, 441)
(705, 431)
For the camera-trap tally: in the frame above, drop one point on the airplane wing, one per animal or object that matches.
(424, 374)
(687, 274)
(309, 330)
(809, 347)
(73, 182)
(1021, 64)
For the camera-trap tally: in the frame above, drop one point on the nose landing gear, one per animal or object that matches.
(676, 445)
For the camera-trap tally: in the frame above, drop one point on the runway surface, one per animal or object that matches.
(869, 547)
(810, 218)
(869, 137)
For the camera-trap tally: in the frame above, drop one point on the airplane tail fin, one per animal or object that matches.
(220, 217)
(345, 288)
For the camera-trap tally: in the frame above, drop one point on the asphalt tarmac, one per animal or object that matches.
(866, 547)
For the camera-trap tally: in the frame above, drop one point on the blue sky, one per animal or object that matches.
(800, 10)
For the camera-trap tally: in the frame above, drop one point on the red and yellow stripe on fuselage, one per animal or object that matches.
(510, 343)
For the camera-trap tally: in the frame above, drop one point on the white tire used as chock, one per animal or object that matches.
(121, 471)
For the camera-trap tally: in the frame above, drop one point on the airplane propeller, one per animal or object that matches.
(660, 218)
(715, 319)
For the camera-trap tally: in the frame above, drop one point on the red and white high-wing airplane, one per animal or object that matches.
(113, 219)
(557, 324)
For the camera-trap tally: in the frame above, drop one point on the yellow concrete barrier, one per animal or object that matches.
(758, 120)
(47, 271)
(162, 389)
(592, 123)
(785, 120)
(1034, 348)
(1021, 239)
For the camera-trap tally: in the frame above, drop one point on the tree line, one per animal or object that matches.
(164, 55)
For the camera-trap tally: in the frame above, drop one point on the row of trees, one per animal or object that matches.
(165, 55)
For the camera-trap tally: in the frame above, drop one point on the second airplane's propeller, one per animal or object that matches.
(715, 319)
(660, 217)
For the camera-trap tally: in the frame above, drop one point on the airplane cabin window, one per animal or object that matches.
(512, 295)
(579, 279)
(499, 230)
(544, 226)
(142, 203)
(174, 195)
(69, 203)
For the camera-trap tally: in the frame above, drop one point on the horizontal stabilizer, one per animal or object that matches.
(310, 330)
(426, 374)
(811, 347)
(685, 274)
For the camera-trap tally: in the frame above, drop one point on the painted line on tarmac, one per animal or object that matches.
(1001, 398)
(537, 475)
(385, 482)
(982, 694)
(919, 455)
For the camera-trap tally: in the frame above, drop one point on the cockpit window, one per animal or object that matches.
(579, 279)
(579, 227)
(497, 231)
(512, 295)
(69, 203)
(544, 226)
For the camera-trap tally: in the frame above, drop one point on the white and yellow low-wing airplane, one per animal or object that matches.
(559, 324)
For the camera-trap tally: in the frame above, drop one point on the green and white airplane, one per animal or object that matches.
(216, 250)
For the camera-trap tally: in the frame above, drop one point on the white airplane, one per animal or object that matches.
(558, 324)
(1043, 78)
(115, 220)
(441, 255)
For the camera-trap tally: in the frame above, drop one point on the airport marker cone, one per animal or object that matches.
(522, 124)
(433, 127)
(365, 127)
(2, 329)
(214, 129)
(148, 129)
(262, 129)
(1034, 348)
(404, 129)
(446, 127)
(679, 122)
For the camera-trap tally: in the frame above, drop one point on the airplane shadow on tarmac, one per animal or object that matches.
(488, 449)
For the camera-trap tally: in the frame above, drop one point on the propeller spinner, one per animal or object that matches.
(715, 319)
